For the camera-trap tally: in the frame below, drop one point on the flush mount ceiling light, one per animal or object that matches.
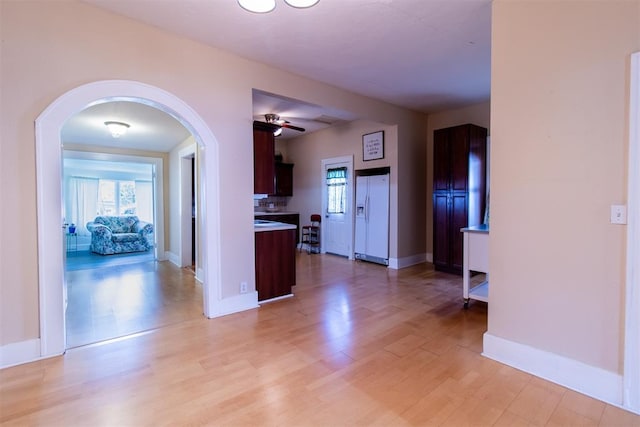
(258, 6)
(264, 6)
(117, 129)
(301, 4)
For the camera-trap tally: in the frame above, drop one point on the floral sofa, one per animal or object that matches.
(120, 234)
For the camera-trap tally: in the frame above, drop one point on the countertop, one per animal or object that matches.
(275, 213)
(482, 228)
(273, 226)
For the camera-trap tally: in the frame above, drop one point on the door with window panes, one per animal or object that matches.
(337, 236)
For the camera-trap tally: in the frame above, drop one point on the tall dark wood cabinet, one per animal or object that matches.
(459, 190)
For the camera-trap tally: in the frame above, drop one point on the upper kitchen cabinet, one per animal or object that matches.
(284, 179)
(269, 177)
(264, 167)
(459, 190)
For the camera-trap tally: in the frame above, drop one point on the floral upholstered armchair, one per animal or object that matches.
(120, 234)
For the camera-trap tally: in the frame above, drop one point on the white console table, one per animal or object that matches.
(475, 258)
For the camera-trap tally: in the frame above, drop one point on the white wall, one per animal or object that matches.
(559, 132)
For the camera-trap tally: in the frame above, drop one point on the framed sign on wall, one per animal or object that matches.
(373, 146)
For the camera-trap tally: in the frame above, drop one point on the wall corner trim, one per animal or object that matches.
(586, 379)
(398, 263)
(172, 258)
(235, 304)
(632, 289)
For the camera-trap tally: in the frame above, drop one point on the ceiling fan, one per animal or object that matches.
(276, 120)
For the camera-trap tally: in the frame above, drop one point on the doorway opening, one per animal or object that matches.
(110, 295)
(189, 207)
(52, 290)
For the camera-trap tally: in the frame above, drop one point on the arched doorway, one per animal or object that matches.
(49, 195)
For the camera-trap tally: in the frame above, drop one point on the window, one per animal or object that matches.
(336, 190)
(116, 197)
(127, 200)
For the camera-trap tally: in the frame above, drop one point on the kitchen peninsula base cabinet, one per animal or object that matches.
(275, 262)
(287, 218)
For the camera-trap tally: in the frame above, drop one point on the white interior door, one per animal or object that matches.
(337, 222)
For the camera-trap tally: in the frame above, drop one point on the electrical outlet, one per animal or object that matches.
(243, 287)
(618, 214)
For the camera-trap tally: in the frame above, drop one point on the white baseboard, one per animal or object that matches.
(235, 304)
(268, 301)
(398, 263)
(19, 353)
(578, 376)
(173, 258)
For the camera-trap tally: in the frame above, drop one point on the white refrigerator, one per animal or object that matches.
(372, 218)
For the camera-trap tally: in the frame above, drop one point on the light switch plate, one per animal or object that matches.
(618, 214)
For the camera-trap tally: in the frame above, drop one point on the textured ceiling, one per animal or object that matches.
(425, 55)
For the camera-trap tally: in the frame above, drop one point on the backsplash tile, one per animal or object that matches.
(272, 202)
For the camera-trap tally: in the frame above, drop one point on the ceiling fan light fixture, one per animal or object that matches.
(301, 4)
(273, 118)
(277, 132)
(258, 6)
(117, 129)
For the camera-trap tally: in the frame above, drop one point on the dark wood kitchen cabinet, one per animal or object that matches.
(275, 263)
(269, 177)
(287, 218)
(459, 190)
(284, 179)
(264, 167)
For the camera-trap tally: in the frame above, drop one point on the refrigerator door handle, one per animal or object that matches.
(366, 209)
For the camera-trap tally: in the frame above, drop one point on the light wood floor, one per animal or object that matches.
(118, 300)
(358, 345)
